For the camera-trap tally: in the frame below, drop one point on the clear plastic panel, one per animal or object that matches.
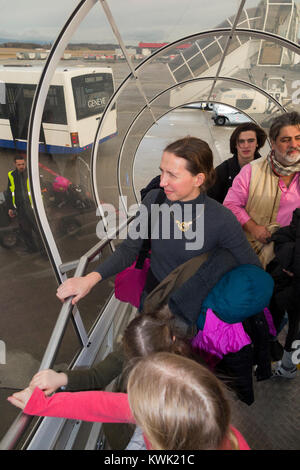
(148, 149)
(171, 65)
(28, 287)
(91, 306)
(277, 77)
(168, 21)
(29, 310)
(29, 307)
(95, 45)
(69, 199)
(188, 120)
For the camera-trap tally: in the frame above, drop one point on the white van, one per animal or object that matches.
(225, 115)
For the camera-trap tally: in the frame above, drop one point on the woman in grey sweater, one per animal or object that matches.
(187, 224)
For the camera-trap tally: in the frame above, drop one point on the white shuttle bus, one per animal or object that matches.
(76, 100)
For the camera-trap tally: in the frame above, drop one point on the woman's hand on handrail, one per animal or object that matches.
(49, 381)
(78, 287)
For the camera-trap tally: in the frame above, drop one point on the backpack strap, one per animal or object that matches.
(145, 248)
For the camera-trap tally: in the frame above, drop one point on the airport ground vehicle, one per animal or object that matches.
(226, 115)
(202, 105)
(251, 101)
(76, 100)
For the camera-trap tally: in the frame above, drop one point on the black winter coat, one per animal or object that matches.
(286, 296)
(225, 174)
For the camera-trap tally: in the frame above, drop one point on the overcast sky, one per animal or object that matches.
(137, 20)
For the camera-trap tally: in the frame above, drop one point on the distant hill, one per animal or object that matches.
(24, 45)
(43, 45)
(92, 46)
(4, 43)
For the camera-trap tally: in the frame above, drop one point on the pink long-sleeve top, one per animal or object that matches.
(238, 194)
(104, 407)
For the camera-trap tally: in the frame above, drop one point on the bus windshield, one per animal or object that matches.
(91, 93)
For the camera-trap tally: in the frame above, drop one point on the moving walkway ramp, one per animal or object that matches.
(219, 64)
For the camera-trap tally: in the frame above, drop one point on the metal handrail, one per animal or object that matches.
(22, 421)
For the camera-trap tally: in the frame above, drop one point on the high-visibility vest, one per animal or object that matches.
(13, 187)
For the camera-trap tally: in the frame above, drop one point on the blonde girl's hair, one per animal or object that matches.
(179, 404)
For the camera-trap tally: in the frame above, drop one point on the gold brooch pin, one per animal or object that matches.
(183, 226)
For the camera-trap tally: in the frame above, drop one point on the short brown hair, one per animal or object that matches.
(261, 136)
(198, 156)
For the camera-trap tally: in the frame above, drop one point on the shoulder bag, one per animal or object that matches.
(130, 283)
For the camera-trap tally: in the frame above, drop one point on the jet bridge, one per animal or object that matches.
(224, 64)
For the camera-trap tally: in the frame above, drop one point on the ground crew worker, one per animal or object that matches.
(20, 204)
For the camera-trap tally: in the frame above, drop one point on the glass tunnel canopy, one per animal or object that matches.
(117, 107)
(219, 66)
(246, 58)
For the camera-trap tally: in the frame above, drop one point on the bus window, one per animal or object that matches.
(91, 93)
(19, 101)
(55, 108)
(3, 114)
(2, 100)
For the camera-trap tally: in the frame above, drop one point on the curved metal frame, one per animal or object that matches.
(229, 79)
(34, 129)
(218, 31)
(40, 97)
(34, 126)
(22, 421)
(192, 101)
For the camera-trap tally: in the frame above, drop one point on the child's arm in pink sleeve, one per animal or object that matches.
(105, 407)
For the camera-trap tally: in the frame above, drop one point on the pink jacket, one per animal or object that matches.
(104, 407)
(237, 197)
(219, 338)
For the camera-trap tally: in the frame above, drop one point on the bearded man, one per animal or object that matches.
(265, 193)
(263, 197)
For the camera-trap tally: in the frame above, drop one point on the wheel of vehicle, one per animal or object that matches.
(220, 121)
